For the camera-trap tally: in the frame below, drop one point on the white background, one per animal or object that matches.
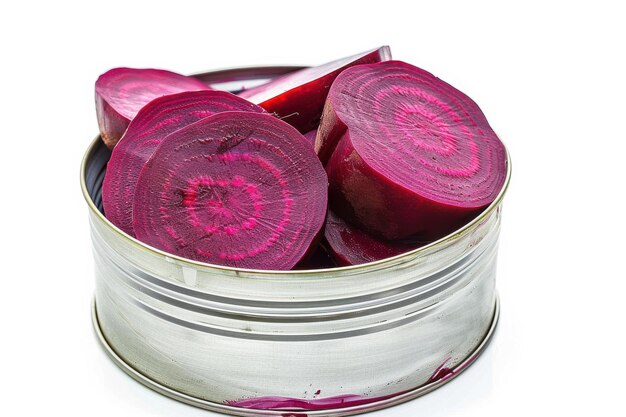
(549, 77)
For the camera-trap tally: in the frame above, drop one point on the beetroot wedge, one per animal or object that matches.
(298, 97)
(121, 92)
(350, 246)
(239, 189)
(145, 132)
(414, 155)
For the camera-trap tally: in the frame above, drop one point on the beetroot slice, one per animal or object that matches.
(145, 132)
(239, 189)
(122, 92)
(350, 246)
(298, 97)
(415, 155)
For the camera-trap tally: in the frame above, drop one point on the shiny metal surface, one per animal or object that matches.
(368, 336)
(238, 411)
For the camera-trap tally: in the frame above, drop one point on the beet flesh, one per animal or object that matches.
(410, 153)
(145, 133)
(298, 97)
(239, 189)
(351, 246)
(122, 92)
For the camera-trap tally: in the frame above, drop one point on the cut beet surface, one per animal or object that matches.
(298, 97)
(145, 133)
(351, 246)
(122, 92)
(239, 189)
(413, 154)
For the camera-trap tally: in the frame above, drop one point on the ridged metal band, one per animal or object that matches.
(189, 299)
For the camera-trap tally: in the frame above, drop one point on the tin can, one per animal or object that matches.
(337, 341)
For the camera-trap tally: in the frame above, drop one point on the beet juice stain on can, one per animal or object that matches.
(336, 341)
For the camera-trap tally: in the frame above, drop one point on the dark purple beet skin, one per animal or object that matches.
(351, 246)
(410, 153)
(122, 92)
(145, 132)
(239, 189)
(298, 97)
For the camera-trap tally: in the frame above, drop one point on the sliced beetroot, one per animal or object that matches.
(298, 97)
(310, 136)
(351, 246)
(122, 92)
(145, 132)
(414, 155)
(239, 189)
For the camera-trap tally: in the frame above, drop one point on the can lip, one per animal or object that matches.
(245, 72)
(462, 231)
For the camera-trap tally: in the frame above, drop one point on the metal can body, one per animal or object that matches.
(336, 341)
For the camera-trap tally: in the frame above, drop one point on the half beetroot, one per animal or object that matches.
(122, 92)
(298, 97)
(351, 246)
(410, 153)
(145, 133)
(239, 189)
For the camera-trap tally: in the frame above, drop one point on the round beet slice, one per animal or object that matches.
(239, 189)
(122, 92)
(145, 132)
(413, 154)
(351, 246)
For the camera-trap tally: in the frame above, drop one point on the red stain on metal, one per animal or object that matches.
(442, 372)
(276, 403)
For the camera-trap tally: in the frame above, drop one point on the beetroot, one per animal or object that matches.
(237, 188)
(414, 155)
(351, 246)
(121, 92)
(153, 122)
(298, 97)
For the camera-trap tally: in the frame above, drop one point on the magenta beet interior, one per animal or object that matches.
(238, 189)
(298, 97)
(147, 130)
(420, 133)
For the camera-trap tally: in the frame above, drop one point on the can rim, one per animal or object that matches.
(385, 402)
(462, 231)
(243, 72)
